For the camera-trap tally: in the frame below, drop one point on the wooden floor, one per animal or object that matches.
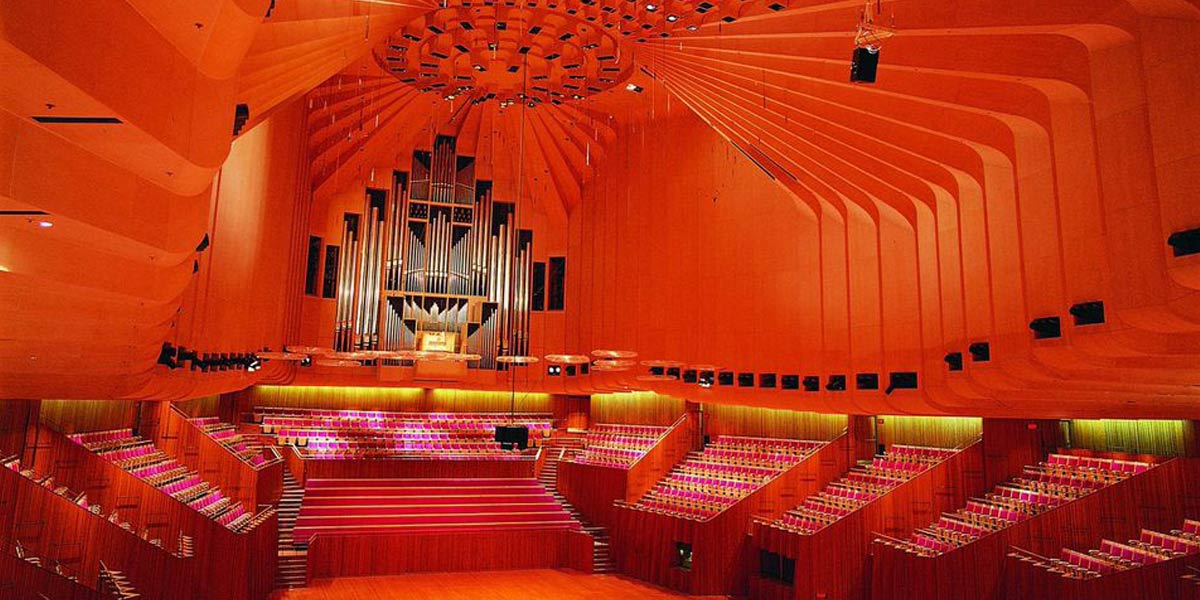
(486, 585)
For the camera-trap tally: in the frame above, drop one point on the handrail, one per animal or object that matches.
(99, 516)
(227, 449)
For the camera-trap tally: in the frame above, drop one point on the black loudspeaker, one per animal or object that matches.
(864, 65)
(954, 361)
(745, 379)
(511, 436)
(837, 383)
(241, 114)
(980, 351)
(812, 383)
(1088, 313)
(1185, 243)
(766, 380)
(690, 376)
(203, 245)
(901, 380)
(1046, 328)
(790, 382)
(725, 378)
(867, 381)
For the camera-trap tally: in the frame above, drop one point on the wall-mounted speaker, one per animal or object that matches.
(1186, 242)
(690, 376)
(1046, 328)
(241, 114)
(1088, 313)
(864, 65)
(980, 351)
(725, 378)
(867, 381)
(766, 380)
(745, 379)
(954, 361)
(812, 383)
(901, 380)
(790, 382)
(837, 383)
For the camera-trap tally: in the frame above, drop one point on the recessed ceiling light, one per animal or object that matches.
(44, 224)
(633, 87)
(672, 18)
(4, 269)
(651, 7)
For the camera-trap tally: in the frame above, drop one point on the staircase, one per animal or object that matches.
(293, 562)
(561, 448)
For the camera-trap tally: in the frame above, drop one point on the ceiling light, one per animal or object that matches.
(672, 18)
(651, 7)
(633, 87)
(43, 224)
(692, 27)
(4, 269)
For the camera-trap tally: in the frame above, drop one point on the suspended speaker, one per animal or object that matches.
(980, 351)
(1088, 313)
(1046, 328)
(864, 65)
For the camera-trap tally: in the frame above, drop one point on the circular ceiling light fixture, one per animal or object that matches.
(567, 359)
(329, 362)
(518, 360)
(614, 354)
(281, 355)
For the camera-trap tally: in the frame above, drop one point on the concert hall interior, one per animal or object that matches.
(765, 299)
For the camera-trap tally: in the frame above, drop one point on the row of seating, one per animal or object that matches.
(246, 447)
(1150, 547)
(363, 506)
(618, 445)
(860, 486)
(339, 434)
(727, 470)
(141, 458)
(1051, 483)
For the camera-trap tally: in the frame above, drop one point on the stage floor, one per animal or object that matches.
(482, 585)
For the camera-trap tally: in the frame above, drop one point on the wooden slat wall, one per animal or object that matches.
(1161, 438)
(218, 465)
(231, 565)
(394, 554)
(395, 399)
(20, 580)
(732, 419)
(14, 414)
(636, 408)
(71, 416)
(1160, 580)
(592, 488)
(1158, 499)
(643, 543)
(48, 522)
(350, 398)
(833, 561)
(939, 432)
(207, 406)
(1010, 444)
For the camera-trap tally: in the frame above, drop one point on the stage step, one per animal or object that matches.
(293, 562)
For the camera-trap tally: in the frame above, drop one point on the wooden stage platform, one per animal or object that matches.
(491, 585)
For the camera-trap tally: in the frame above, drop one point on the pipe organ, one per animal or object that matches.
(436, 254)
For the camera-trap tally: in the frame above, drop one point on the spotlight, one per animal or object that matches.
(692, 27)
(633, 87)
(44, 224)
(254, 364)
(706, 379)
(651, 7)
(166, 356)
(554, 370)
(306, 361)
(672, 18)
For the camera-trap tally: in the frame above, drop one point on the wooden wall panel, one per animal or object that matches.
(395, 399)
(592, 488)
(833, 561)
(250, 485)
(572, 412)
(1161, 580)
(636, 408)
(940, 432)
(463, 401)
(1010, 444)
(1158, 499)
(395, 554)
(732, 419)
(643, 542)
(205, 406)
(1161, 438)
(232, 565)
(15, 416)
(71, 416)
(20, 580)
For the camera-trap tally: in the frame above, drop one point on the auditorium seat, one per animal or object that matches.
(616, 445)
(727, 470)
(1112, 556)
(860, 486)
(334, 434)
(247, 448)
(1056, 481)
(365, 506)
(141, 458)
